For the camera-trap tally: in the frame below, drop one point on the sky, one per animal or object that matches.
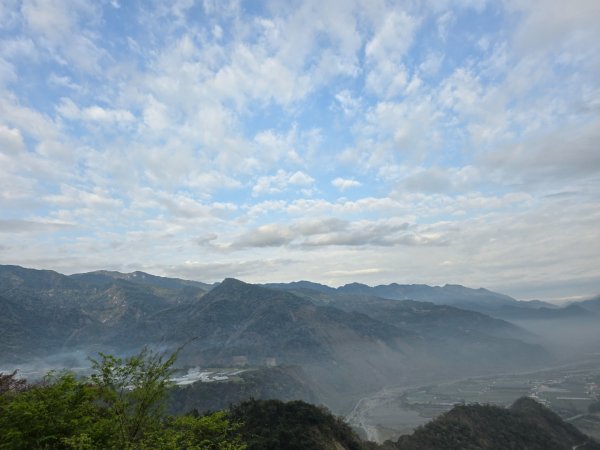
(430, 141)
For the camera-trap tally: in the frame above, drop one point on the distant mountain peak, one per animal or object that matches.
(233, 282)
(234, 288)
(102, 277)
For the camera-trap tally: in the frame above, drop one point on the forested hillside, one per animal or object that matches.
(122, 405)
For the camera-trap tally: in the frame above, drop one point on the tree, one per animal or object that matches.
(120, 406)
(134, 391)
(209, 432)
(10, 383)
(44, 415)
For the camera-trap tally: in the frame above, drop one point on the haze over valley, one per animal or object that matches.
(307, 224)
(359, 350)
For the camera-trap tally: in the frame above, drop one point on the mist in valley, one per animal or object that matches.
(567, 339)
(387, 364)
(341, 202)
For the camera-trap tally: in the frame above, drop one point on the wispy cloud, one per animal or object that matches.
(345, 183)
(336, 141)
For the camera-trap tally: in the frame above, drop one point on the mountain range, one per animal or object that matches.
(349, 340)
(480, 300)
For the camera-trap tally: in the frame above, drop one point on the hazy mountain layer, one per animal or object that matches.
(592, 304)
(480, 300)
(348, 344)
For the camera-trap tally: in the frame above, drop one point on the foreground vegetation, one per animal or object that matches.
(122, 405)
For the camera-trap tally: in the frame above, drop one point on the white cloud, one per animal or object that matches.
(275, 147)
(279, 182)
(345, 183)
(219, 133)
(349, 104)
(20, 47)
(11, 140)
(301, 179)
(52, 19)
(335, 232)
(7, 73)
(29, 120)
(68, 109)
(444, 22)
(156, 114)
(217, 271)
(64, 81)
(71, 196)
(439, 180)
(355, 272)
(212, 181)
(270, 235)
(28, 226)
(399, 130)
(432, 63)
(548, 24)
(388, 76)
(58, 26)
(393, 38)
(255, 76)
(387, 79)
(8, 13)
(549, 157)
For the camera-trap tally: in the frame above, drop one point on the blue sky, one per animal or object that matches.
(429, 141)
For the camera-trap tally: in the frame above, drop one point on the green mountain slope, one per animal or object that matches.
(525, 425)
(240, 319)
(470, 337)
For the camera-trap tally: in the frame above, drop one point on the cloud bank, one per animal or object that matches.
(368, 141)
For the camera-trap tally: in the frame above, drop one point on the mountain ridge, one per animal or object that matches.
(525, 425)
(348, 349)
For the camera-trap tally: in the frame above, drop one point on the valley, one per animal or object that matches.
(198, 375)
(385, 362)
(299, 225)
(568, 390)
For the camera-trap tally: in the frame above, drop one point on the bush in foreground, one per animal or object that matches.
(121, 406)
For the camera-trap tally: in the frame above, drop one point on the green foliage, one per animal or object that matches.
(210, 432)
(295, 425)
(10, 383)
(526, 425)
(49, 414)
(134, 391)
(281, 382)
(121, 406)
